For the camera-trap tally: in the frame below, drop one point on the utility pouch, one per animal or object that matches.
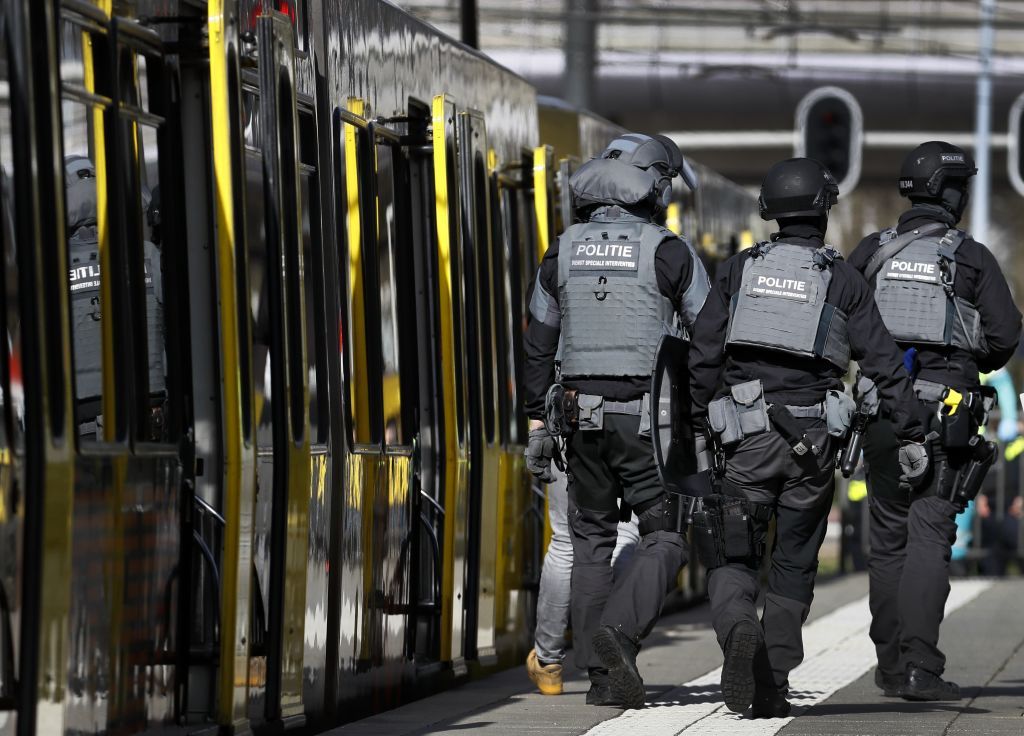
(839, 409)
(724, 420)
(736, 534)
(645, 417)
(591, 415)
(750, 408)
(705, 537)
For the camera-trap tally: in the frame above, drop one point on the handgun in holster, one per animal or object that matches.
(961, 414)
(970, 478)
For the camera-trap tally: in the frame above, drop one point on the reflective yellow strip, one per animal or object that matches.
(674, 218)
(233, 686)
(99, 155)
(444, 266)
(1014, 449)
(857, 490)
(357, 327)
(541, 199)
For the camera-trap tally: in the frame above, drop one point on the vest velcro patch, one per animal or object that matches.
(778, 286)
(85, 277)
(605, 255)
(903, 270)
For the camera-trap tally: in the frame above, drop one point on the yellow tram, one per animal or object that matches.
(296, 494)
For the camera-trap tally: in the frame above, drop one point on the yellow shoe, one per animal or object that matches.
(548, 678)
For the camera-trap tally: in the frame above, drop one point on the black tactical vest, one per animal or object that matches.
(613, 315)
(84, 280)
(914, 292)
(781, 305)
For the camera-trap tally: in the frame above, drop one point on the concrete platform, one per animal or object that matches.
(983, 637)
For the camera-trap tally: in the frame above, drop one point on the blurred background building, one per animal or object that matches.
(726, 78)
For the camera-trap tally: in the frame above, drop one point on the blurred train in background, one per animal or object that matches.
(297, 493)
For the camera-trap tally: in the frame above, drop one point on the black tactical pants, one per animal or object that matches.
(908, 567)
(605, 465)
(764, 469)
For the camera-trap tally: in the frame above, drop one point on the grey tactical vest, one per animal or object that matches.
(781, 305)
(912, 295)
(84, 283)
(613, 314)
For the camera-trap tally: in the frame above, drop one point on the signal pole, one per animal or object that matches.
(983, 123)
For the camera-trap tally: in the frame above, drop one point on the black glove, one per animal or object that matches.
(914, 458)
(540, 451)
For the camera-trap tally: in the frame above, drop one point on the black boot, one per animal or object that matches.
(890, 685)
(738, 670)
(618, 653)
(771, 704)
(600, 692)
(920, 684)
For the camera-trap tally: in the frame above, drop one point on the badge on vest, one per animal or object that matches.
(84, 277)
(605, 255)
(778, 286)
(912, 271)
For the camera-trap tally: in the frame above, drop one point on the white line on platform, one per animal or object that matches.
(837, 651)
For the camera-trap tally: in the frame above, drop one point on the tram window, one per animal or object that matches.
(12, 396)
(313, 283)
(394, 433)
(82, 109)
(484, 292)
(140, 157)
(502, 306)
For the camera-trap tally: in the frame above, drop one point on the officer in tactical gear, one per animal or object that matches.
(769, 349)
(606, 293)
(84, 281)
(944, 299)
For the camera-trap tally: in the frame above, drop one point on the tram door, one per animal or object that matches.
(278, 314)
(126, 292)
(12, 407)
(478, 326)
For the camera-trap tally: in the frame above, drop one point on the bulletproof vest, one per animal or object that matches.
(913, 298)
(781, 305)
(613, 314)
(84, 283)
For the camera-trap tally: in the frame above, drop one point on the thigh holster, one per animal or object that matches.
(674, 516)
(724, 530)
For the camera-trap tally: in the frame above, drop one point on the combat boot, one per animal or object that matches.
(771, 704)
(890, 685)
(618, 653)
(547, 677)
(920, 684)
(738, 669)
(600, 692)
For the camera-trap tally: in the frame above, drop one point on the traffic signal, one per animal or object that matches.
(829, 129)
(1015, 145)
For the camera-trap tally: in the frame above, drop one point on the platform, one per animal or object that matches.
(983, 637)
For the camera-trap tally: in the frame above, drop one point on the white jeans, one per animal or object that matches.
(553, 598)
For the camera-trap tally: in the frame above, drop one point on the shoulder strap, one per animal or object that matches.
(894, 246)
(950, 242)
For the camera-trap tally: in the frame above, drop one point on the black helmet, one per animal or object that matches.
(797, 187)
(934, 167)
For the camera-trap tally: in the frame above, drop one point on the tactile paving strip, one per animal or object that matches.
(837, 651)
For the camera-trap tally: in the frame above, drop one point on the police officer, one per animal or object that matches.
(84, 282)
(606, 292)
(944, 298)
(769, 349)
